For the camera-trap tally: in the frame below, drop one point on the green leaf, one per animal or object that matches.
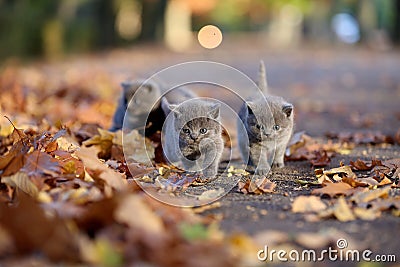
(193, 231)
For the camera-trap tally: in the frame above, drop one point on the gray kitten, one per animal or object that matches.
(192, 133)
(267, 136)
(145, 105)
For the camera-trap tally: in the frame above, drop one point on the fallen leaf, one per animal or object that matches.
(133, 211)
(342, 211)
(367, 196)
(32, 231)
(334, 189)
(366, 214)
(211, 195)
(89, 157)
(21, 180)
(194, 231)
(304, 204)
(361, 165)
(313, 240)
(257, 186)
(138, 148)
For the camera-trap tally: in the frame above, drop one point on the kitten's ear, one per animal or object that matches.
(287, 109)
(214, 111)
(249, 108)
(165, 106)
(174, 109)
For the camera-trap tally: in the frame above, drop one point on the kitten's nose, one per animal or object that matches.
(194, 136)
(267, 134)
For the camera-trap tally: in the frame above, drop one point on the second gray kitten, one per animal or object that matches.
(145, 113)
(193, 133)
(268, 124)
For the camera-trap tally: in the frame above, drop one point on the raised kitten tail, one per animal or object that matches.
(262, 78)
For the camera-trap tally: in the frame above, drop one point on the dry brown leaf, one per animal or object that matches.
(362, 165)
(21, 180)
(334, 189)
(89, 157)
(133, 211)
(257, 186)
(304, 204)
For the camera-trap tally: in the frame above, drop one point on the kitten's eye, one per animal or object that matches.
(259, 126)
(203, 130)
(276, 127)
(186, 131)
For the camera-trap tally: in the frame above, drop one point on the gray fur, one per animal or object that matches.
(141, 106)
(259, 138)
(194, 149)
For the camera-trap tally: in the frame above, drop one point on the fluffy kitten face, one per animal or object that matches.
(197, 123)
(196, 130)
(267, 127)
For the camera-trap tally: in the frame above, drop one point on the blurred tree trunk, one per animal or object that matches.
(153, 12)
(105, 19)
(396, 22)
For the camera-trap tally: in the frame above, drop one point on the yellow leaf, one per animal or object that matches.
(366, 214)
(21, 180)
(137, 214)
(308, 204)
(342, 211)
(370, 195)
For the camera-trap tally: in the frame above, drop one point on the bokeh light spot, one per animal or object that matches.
(210, 36)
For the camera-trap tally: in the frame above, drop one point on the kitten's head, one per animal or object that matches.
(196, 120)
(262, 126)
(145, 93)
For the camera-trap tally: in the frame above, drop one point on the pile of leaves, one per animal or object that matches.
(317, 152)
(60, 200)
(351, 196)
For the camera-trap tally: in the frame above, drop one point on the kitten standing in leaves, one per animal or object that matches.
(193, 133)
(265, 126)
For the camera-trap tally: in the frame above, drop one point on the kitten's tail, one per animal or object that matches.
(262, 78)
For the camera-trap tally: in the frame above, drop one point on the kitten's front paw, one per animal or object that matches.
(210, 173)
(262, 171)
(278, 165)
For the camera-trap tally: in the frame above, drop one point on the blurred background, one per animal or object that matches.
(336, 60)
(51, 29)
